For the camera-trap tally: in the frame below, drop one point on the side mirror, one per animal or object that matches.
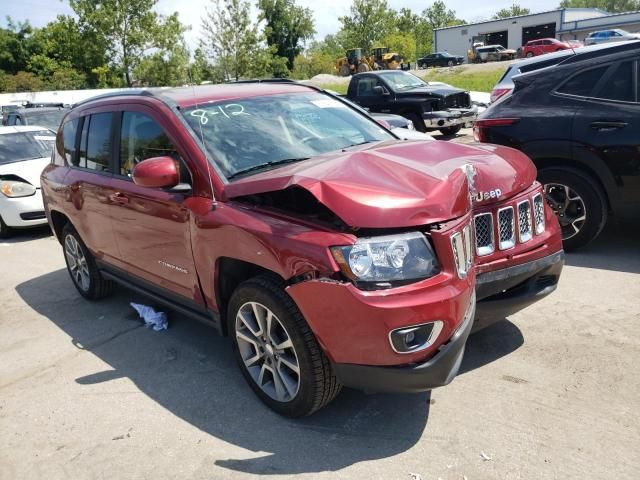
(156, 172)
(379, 90)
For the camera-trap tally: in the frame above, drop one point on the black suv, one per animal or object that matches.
(579, 121)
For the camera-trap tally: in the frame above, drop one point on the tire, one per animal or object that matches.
(5, 232)
(529, 54)
(345, 71)
(450, 63)
(572, 195)
(314, 386)
(85, 274)
(418, 123)
(363, 67)
(451, 130)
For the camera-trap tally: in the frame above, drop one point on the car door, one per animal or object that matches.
(546, 46)
(152, 226)
(368, 97)
(607, 124)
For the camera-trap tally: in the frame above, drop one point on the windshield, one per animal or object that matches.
(402, 80)
(50, 119)
(256, 133)
(25, 145)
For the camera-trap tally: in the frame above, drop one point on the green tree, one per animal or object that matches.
(368, 22)
(611, 6)
(403, 43)
(130, 28)
(439, 16)
(333, 45)
(22, 82)
(235, 42)
(16, 46)
(164, 68)
(288, 26)
(514, 10)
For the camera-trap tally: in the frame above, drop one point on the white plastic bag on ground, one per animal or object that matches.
(153, 319)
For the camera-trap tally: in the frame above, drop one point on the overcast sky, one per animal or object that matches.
(326, 12)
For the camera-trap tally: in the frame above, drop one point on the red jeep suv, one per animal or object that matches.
(331, 252)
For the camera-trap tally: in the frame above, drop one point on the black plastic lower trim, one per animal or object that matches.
(509, 290)
(33, 215)
(161, 295)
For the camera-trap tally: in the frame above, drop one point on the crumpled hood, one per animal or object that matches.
(396, 184)
(28, 170)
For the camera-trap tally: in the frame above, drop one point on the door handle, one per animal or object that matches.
(119, 198)
(608, 126)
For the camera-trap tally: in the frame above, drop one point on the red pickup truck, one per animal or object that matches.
(331, 252)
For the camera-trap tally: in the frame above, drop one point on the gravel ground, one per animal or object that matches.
(86, 392)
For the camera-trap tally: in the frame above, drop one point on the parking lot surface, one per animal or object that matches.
(87, 392)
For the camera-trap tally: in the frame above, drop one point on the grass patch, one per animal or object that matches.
(467, 79)
(341, 88)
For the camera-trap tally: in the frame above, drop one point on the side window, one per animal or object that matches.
(141, 138)
(66, 143)
(365, 87)
(82, 157)
(616, 34)
(619, 85)
(98, 143)
(583, 83)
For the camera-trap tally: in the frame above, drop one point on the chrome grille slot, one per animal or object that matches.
(462, 251)
(485, 244)
(506, 228)
(538, 213)
(525, 231)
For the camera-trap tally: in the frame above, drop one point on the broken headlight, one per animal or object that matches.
(386, 261)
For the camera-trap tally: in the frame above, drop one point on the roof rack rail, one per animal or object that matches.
(132, 93)
(263, 80)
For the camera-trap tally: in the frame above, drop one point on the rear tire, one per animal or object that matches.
(269, 356)
(82, 267)
(5, 232)
(579, 203)
(363, 67)
(449, 131)
(345, 71)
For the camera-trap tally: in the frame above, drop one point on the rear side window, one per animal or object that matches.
(619, 85)
(97, 142)
(583, 83)
(142, 138)
(66, 143)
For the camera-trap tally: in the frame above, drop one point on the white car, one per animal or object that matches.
(24, 152)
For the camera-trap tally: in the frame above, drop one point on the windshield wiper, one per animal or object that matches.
(274, 163)
(361, 143)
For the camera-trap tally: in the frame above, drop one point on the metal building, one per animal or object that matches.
(513, 32)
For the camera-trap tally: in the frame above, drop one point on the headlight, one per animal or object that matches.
(410, 125)
(382, 261)
(12, 188)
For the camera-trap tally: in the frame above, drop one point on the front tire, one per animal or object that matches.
(579, 203)
(529, 54)
(449, 131)
(5, 232)
(82, 267)
(276, 350)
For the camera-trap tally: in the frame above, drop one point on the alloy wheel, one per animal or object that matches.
(568, 206)
(267, 351)
(77, 263)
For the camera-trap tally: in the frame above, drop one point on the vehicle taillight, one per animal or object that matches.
(481, 126)
(498, 92)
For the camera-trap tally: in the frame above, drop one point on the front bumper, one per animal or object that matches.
(450, 118)
(23, 212)
(506, 291)
(438, 371)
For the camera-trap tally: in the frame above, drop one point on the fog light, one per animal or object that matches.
(415, 338)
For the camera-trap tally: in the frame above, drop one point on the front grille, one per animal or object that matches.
(33, 215)
(525, 231)
(458, 100)
(462, 252)
(490, 226)
(538, 213)
(506, 229)
(484, 234)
